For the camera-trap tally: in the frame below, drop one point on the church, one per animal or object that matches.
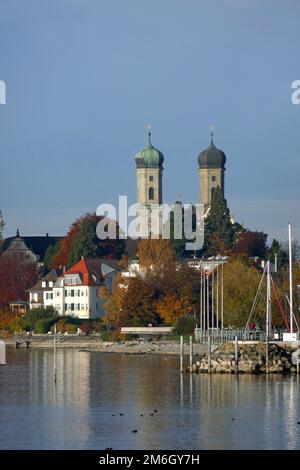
(149, 174)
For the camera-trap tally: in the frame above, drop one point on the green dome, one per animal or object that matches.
(149, 157)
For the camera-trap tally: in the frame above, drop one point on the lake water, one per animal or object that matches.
(194, 412)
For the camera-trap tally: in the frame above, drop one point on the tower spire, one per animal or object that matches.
(212, 128)
(149, 133)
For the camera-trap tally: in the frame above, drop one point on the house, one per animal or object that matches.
(28, 249)
(41, 294)
(75, 292)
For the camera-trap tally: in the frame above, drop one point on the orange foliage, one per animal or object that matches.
(171, 307)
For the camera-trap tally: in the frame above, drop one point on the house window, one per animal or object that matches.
(213, 178)
(151, 194)
(150, 178)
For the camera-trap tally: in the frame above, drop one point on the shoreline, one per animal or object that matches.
(123, 347)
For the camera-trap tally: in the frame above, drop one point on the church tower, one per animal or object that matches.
(211, 172)
(149, 171)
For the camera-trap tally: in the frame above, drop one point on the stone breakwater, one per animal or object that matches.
(251, 360)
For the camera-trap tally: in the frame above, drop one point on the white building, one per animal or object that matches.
(75, 292)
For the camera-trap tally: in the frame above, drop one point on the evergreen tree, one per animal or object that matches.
(282, 255)
(51, 251)
(219, 232)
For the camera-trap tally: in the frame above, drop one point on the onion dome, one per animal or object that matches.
(149, 156)
(212, 157)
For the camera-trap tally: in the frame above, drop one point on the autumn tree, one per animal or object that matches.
(241, 280)
(252, 244)
(157, 262)
(172, 306)
(16, 277)
(131, 303)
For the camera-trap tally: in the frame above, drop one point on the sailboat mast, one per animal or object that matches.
(291, 278)
(268, 302)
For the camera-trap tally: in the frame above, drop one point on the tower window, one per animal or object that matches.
(151, 194)
(150, 178)
(213, 178)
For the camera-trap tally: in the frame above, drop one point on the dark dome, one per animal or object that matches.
(212, 157)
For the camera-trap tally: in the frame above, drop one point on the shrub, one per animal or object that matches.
(97, 326)
(43, 325)
(86, 327)
(70, 328)
(185, 325)
(38, 313)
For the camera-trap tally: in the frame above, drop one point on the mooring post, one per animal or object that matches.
(267, 354)
(209, 354)
(236, 354)
(191, 354)
(2, 352)
(181, 353)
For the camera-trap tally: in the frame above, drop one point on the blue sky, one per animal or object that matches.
(85, 77)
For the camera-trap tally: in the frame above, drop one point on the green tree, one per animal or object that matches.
(51, 251)
(218, 229)
(276, 248)
(87, 244)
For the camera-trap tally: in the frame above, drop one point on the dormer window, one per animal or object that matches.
(44, 283)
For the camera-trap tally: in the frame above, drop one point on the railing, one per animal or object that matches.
(218, 336)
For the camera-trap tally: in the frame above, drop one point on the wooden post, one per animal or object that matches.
(191, 354)
(236, 354)
(181, 353)
(209, 354)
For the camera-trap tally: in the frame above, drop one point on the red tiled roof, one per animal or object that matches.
(86, 270)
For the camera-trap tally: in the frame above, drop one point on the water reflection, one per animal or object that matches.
(193, 411)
